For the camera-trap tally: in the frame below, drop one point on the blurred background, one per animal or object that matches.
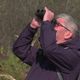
(14, 16)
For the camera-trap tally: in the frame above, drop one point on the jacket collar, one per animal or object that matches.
(74, 43)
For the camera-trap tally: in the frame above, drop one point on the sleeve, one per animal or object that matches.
(22, 47)
(62, 58)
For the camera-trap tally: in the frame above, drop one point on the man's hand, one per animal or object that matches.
(35, 23)
(49, 15)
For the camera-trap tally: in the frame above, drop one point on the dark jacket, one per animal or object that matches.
(51, 57)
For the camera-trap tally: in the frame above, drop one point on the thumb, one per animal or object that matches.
(46, 8)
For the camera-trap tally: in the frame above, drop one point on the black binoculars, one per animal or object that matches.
(40, 14)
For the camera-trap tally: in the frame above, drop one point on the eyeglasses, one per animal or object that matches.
(59, 24)
(54, 21)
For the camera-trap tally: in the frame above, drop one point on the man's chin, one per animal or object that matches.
(60, 42)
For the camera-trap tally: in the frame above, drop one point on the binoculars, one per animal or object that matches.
(40, 14)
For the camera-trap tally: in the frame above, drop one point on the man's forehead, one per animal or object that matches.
(60, 20)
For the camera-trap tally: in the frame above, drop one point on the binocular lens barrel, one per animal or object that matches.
(40, 14)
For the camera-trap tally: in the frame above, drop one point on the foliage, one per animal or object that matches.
(14, 67)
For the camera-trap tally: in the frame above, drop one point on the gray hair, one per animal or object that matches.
(69, 23)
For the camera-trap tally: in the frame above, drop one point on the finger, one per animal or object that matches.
(46, 8)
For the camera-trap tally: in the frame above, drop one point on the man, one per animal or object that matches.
(60, 48)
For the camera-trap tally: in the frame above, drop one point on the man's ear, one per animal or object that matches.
(68, 35)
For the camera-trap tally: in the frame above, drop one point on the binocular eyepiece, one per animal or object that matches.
(40, 14)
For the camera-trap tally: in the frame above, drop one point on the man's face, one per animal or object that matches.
(61, 31)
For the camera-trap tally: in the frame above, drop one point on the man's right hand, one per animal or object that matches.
(35, 23)
(49, 15)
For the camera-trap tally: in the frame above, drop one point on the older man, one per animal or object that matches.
(60, 48)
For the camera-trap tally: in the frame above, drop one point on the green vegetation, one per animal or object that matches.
(11, 65)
